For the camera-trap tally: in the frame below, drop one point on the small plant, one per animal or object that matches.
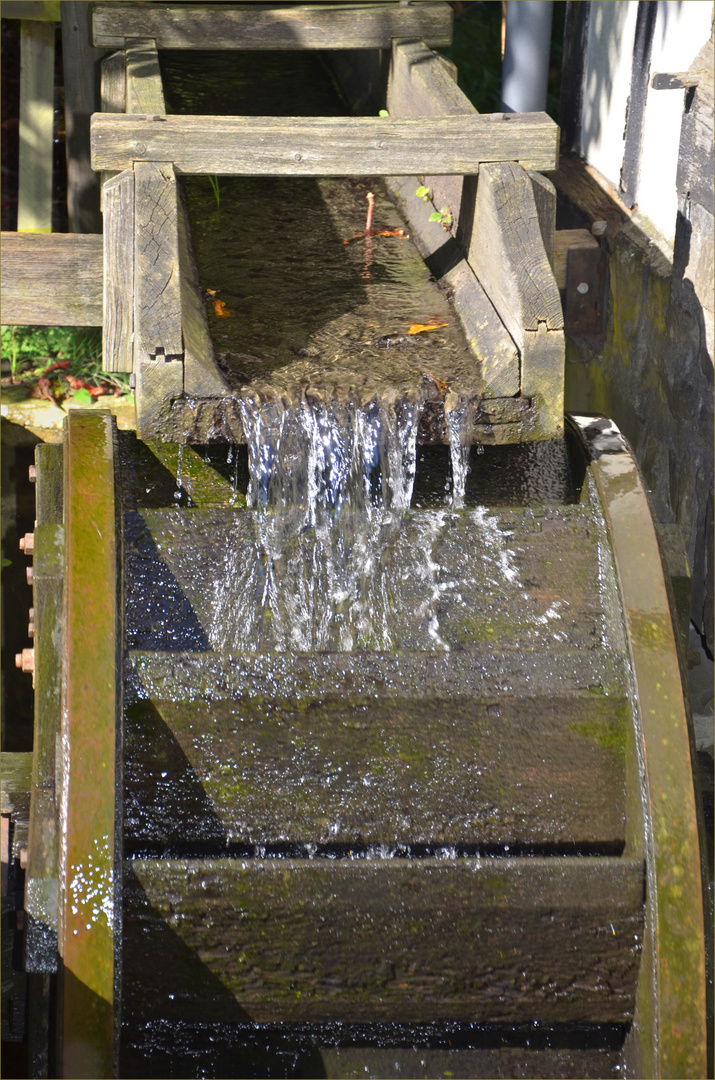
(383, 112)
(213, 181)
(423, 193)
(56, 362)
(443, 216)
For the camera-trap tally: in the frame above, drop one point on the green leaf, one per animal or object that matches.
(82, 397)
(436, 216)
(5, 563)
(422, 192)
(383, 112)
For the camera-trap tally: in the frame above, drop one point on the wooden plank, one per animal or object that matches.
(564, 241)
(15, 783)
(118, 293)
(202, 376)
(545, 200)
(51, 280)
(158, 338)
(508, 255)
(113, 91)
(672, 988)
(311, 26)
(419, 85)
(325, 146)
(37, 69)
(399, 940)
(144, 90)
(489, 341)
(187, 791)
(80, 60)
(88, 899)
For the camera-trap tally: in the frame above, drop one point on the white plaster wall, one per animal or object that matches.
(682, 28)
(607, 85)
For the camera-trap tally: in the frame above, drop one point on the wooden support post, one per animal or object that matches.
(508, 255)
(158, 338)
(113, 92)
(144, 91)
(41, 874)
(89, 901)
(37, 70)
(118, 294)
(80, 61)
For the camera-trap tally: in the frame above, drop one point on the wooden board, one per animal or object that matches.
(420, 85)
(145, 93)
(52, 280)
(118, 294)
(508, 254)
(113, 93)
(350, 770)
(202, 376)
(37, 64)
(267, 940)
(325, 146)
(89, 913)
(321, 26)
(492, 347)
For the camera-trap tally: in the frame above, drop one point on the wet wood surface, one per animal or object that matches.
(52, 279)
(325, 146)
(322, 26)
(396, 940)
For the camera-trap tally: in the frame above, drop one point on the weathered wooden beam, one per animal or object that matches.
(508, 255)
(311, 26)
(89, 907)
(158, 337)
(420, 85)
(37, 66)
(144, 92)
(489, 341)
(41, 874)
(118, 294)
(573, 794)
(325, 146)
(51, 280)
(113, 91)
(393, 940)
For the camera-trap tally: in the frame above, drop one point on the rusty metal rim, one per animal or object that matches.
(671, 1027)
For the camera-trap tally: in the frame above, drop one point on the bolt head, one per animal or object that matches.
(32, 473)
(29, 573)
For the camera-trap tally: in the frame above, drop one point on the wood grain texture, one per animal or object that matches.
(543, 362)
(201, 373)
(507, 252)
(314, 26)
(37, 55)
(545, 200)
(144, 90)
(420, 85)
(113, 98)
(412, 772)
(118, 302)
(52, 279)
(325, 146)
(268, 940)
(492, 347)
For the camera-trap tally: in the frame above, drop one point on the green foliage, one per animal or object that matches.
(423, 193)
(383, 112)
(213, 181)
(31, 350)
(443, 216)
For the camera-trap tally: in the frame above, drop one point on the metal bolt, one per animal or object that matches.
(27, 543)
(582, 287)
(32, 473)
(30, 574)
(599, 228)
(31, 630)
(23, 857)
(25, 660)
(31, 614)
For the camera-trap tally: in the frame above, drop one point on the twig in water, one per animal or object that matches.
(370, 208)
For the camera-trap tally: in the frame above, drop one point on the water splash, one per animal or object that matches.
(456, 413)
